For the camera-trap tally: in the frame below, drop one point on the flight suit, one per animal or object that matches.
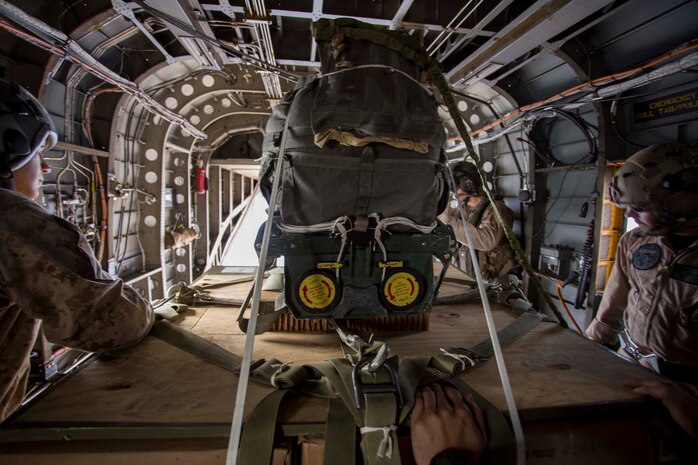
(49, 276)
(495, 255)
(653, 292)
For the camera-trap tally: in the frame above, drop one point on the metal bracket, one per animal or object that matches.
(361, 388)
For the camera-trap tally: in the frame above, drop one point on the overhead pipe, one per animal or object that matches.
(60, 44)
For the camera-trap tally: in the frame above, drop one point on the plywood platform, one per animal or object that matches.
(165, 404)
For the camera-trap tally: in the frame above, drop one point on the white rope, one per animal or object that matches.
(385, 448)
(328, 226)
(460, 358)
(498, 355)
(280, 368)
(385, 223)
(389, 68)
(243, 380)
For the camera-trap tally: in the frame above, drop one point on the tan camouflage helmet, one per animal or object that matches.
(663, 177)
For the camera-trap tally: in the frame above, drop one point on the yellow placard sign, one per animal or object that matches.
(317, 291)
(401, 289)
(392, 264)
(329, 265)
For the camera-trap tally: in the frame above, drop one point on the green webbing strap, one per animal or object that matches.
(379, 440)
(330, 372)
(365, 182)
(379, 411)
(407, 46)
(334, 379)
(510, 333)
(410, 374)
(501, 446)
(196, 345)
(340, 435)
(257, 443)
(455, 360)
(268, 313)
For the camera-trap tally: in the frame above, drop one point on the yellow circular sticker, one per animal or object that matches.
(401, 289)
(317, 291)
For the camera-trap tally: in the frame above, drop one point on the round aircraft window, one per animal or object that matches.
(226, 102)
(181, 268)
(208, 81)
(488, 166)
(187, 89)
(151, 177)
(474, 120)
(150, 221)
(180, 198)
(151, 154)
(179, 181)
(462, 106)
(195, 119)
(208, 109)
(171, 103)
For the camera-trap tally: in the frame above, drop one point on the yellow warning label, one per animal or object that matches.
(393, 264)
(326, 265)
(401, 289)
(317, 291)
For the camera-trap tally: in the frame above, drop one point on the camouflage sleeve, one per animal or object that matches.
(52, 275)
(608, 322)
(485, 236)
(488, 233)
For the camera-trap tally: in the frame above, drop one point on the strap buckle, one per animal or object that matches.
(361, 388)
(639, 353)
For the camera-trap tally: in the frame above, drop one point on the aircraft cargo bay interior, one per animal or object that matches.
(372, 232)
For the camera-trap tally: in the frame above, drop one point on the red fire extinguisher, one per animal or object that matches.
(199, 177)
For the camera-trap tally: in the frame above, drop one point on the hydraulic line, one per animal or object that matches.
(558, 289)
(612, 86)
(293, 77)
(60, 44)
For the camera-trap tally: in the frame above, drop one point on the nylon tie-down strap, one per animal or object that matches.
(380, 414)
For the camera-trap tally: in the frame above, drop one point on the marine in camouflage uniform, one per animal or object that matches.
(495, 255)
(49, 277)
(652, 292)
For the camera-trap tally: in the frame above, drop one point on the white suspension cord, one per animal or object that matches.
(236, 424)
(385, 223)
(389, 68)
(503, 374)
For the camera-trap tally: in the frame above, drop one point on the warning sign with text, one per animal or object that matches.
(680, 103)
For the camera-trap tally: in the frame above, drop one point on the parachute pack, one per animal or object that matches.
(363, 178)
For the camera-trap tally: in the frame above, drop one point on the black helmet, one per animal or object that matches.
(25, 128)
(467, 178)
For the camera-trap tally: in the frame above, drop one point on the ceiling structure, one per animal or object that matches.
(153, 86)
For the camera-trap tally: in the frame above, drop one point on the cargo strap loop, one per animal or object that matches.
(280, 369)
(461, 358)
(385, 448)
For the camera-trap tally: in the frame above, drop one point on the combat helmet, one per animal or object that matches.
(25, 128)
(663, 177)
(466, 176)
